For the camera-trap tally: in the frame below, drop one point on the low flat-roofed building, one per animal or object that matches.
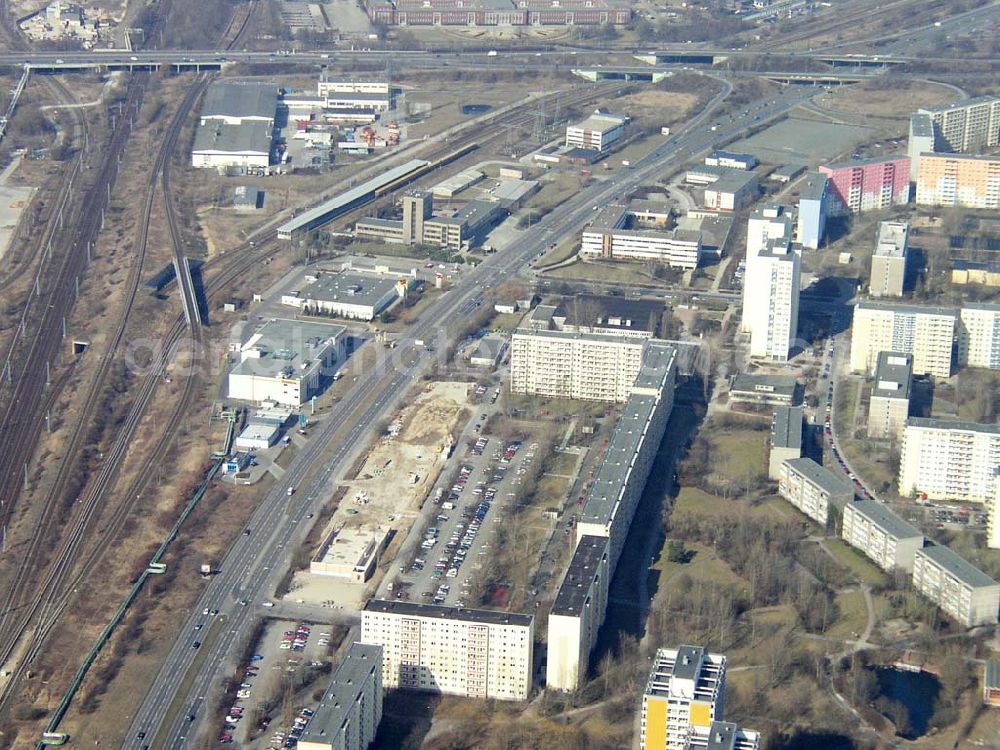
(786, 438)
(608, 236)
(350, 552)
(450, 186)
(734, 190)
(703, 174)
(357, 100)
(221, 145)
(354, 296)
(991, 683)
(725, 735)
(880, 534)
(577, 614)
(888, 278)
(684, 696)
(512, 193)
(282, 361)
(889, 406)
(956, 586)
(769, 390)
(385, 230)
(489, 352)
(787, 172)
(597, 132)
(469, 224)
(477, 653)
(812, 488)
(333, 83)
(986, 273)
(238, 102)
(259, 434)
(350, 710)
(731, 160)
(612, 316)
(248, 198)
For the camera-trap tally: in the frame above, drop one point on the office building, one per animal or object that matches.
(772, 222)
(991, 683)
(618, 233)
(814, 195)
(348, 295)
(577, 614)
(469, 652)
(921, 141)
(771, 301)
(480, 13)
(786, 438)
(731, 160)
(332, 83)
(889, 406)
(957, 587)
(812, 488)
(764, 390)
(418, 207)
(598, 132)
(979, 336)
(959, 180)
(986, 273)
(724, 735)
(467, 226)
(967, 126)
(927, 333)
(350, 710)
(949, 460)
(872, 528)
(888, 276)
(734, 190)
(868, 185)
(283, 361)
(350, 552)
(684, 695)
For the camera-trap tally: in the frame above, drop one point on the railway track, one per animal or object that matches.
(844, 20)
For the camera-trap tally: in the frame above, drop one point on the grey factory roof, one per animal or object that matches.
(957, 566)
(707, 169)
(474, 213)
(347, 686)
(949, 424)
(583, 568)
(783, 385)
(823, 478)
(514, 190)
(813, 187)
(247, 137)
(351, 288)
(601, 121)
(788, 171)
(885, 519)
(483, 616)
(643, 206)
(786, 427)
(893, 373)
(349, 196)
(907, 309)
(921, 125)
(292, 348)
(734, 155)
(992, 674)
(609, 217)
(960, 105)
(240, 99)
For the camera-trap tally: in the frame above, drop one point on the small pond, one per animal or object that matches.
(916, 691)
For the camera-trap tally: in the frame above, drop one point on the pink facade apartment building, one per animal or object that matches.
(868, 184)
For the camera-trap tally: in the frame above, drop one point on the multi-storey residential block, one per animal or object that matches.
(979, 336)
(597, 132)
(685, 694)
(609, 236)
(928, 333)
(769, 223)
(993, 514)
(921, 141)
(882, 535)
(991, 683)
(475, 653)
(577, 614)
(814, 195)
(958, 180)
(971, 125)
(949, 460)
(771, 300)
(350, 710)
(888, 277)
(868, 185)
(959, 588)
(889, 407)
(812, 488)
(786, 438)
(725, 735)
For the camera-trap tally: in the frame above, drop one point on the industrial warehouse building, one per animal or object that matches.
(348, 295)
(283, 361)
(235, 128)
(469, 652)
(350, 710)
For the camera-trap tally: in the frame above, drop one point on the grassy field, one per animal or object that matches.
(852, 616)
(865, 570)
(739, 452)
(563, 251)
(704, 565)
(622, 273)
(561, 463)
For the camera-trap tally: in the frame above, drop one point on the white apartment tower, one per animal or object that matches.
(771, 300)
(979, 336)
(928, 333)
(772, 222)
(888, 275)
(949, 460)
(685, 694)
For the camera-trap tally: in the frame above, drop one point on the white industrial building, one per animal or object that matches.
(731, 160)
(880, 534)
(239, 103)
(355, 296)
(597, 132)
(455, 184)
(928, 333)
(350, 710)
(259, 434)
(812, 488)
(235, 126)
(979, 335)
(732, 191)
(607, 236)
(956, 586)
(350, 552)
(949, 460)
(283, 361)
(469, 652)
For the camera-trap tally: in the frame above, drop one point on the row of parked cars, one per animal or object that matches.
(290, 739)
(237, 711)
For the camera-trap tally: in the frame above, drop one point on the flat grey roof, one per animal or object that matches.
(240, 99)
(987, 99)
(733, 180)
(786, 427)
(984, 306)
(349, 196)
(885, 519)
(489, 347)
(789, 170)
(784, 385)
(601, 121)
(893, 375)
(374, 221)
(907, 309)
(657, 362)
(642, 206)
(583, 568)
(216, 135)
(992, 674)
(360, 664)
(688, 663)
(735, 155)
(349, 288)
(483, 616)
(813, 187)
(949, 424)
(957, 566)
(513, 190)
(854, 163)
(921, 125)
(288, 347)
(474, 213)
(822, 477)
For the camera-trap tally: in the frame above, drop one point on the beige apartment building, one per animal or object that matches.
(927, 333)
(949, 460)
(979, 336)
(889, 260)
(469, 652)
(971, 125)
(812, 489)
(889, 406)
(959, 180)
(959, 588)
(884, 537)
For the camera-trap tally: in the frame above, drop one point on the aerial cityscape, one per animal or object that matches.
(500, 374)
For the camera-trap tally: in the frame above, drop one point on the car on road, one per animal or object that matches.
(196, 644)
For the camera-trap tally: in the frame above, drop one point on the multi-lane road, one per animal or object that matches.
(250, 570)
